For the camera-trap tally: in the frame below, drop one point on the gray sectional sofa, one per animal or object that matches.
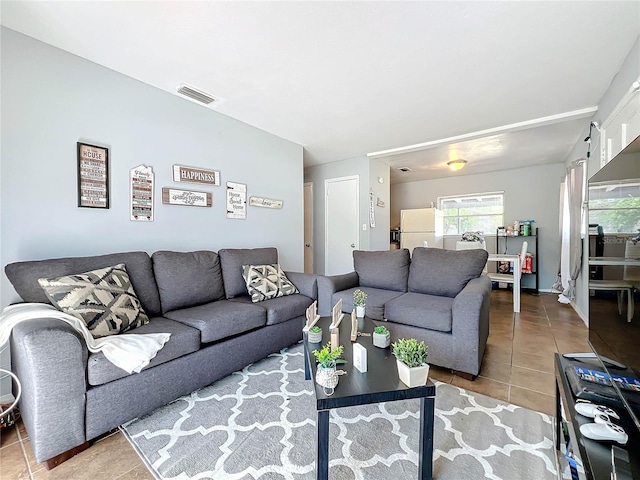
(439, 296)
(71, 396)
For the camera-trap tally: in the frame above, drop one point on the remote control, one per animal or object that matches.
(591, 409)
(604, 431)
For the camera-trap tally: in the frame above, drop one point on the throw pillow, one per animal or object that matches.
(267, 281)
(103, 299)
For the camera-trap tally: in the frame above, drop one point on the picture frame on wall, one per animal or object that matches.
(93, 176)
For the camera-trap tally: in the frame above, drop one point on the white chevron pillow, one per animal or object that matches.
(103, 299)
(267, 281)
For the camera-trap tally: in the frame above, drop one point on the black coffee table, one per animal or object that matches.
(379, 384)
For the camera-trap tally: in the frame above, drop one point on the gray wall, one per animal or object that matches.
(529, 193)
(368, 172)
(52, 99)
(628, 73)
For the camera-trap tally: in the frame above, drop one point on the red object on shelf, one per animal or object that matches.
(527, 263)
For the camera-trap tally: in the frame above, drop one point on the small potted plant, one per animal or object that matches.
(327, 360)
(411, 358)
(381, 337)
(315, 334)
(359, 301)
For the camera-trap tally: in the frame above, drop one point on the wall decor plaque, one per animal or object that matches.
(195, 175)
(236, 200)
(265, 202)
(173, 196)
(142, 180)
(93, 176)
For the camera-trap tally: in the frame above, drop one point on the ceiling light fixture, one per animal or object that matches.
(456, 165)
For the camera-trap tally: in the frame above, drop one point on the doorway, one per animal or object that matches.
(341, 223)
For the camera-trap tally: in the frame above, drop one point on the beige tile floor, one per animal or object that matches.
(517, 367)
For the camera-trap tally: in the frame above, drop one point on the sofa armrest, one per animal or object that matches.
(307, 283)
(470, 323)
(50, 359)
(327, 286)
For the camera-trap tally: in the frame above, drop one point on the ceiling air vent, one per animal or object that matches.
(196, 95)
(404, 169)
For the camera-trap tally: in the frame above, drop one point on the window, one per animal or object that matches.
(615, 207)
(477, 212)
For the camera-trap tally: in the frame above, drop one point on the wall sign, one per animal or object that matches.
(173, 196)
(265, 202)
(141, 205)
(236, 200)
(195, 175)
(93, 176)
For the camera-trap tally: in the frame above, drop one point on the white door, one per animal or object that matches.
(341, 224)
(308, 227)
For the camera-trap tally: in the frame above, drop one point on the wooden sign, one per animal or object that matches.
(141, 202)
(354, 326)
(93, 176)
(173, 196)
(195, 175)
(336, 318)
(312, 316)
(265, 202)
(236, 200)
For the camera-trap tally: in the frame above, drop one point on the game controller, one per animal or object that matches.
(604, 431)
(591, 410)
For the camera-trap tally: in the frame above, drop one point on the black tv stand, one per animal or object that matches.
(594, 458)
(608, 361)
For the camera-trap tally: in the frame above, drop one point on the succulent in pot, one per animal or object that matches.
(315, 334)
(326, 374)
(381, 336)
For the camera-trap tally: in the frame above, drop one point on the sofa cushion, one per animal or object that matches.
(435, 271)
(24, 275)
(376, 299)
(266, 281)
(184, 340)
(187, 279)
(420, 310)
(103, 299)
(387, 270)
(281, 309)
(232, 260)
(221, 319)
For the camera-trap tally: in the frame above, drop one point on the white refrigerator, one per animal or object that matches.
(421, 227)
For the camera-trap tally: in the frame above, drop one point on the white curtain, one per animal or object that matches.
(572, 194)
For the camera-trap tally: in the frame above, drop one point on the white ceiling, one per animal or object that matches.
(344, 79)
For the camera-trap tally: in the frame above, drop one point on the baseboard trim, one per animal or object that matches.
(581, 314)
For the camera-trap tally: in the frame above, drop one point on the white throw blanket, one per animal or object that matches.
(129, 352)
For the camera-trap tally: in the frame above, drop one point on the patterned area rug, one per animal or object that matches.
(260, 423)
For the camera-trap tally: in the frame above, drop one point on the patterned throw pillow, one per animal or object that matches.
(103, 299)
(267, 281)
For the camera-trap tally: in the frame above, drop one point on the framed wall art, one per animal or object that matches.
(141, 205)
(93, 176)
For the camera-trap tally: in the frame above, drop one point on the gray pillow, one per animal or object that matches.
(232, 260)
(435, 271)
(387, 269)
(187, 279)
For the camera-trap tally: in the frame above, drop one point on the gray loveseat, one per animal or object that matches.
(437, 295)
(71, 396)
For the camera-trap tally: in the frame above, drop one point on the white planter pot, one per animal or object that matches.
(327, 377)
(381, 340)
(360, 312)
(314, 337)
(413, 377)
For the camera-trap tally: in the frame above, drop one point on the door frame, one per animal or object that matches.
(311, 225)
(326, 214)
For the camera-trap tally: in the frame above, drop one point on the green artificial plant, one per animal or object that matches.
(410, 352)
